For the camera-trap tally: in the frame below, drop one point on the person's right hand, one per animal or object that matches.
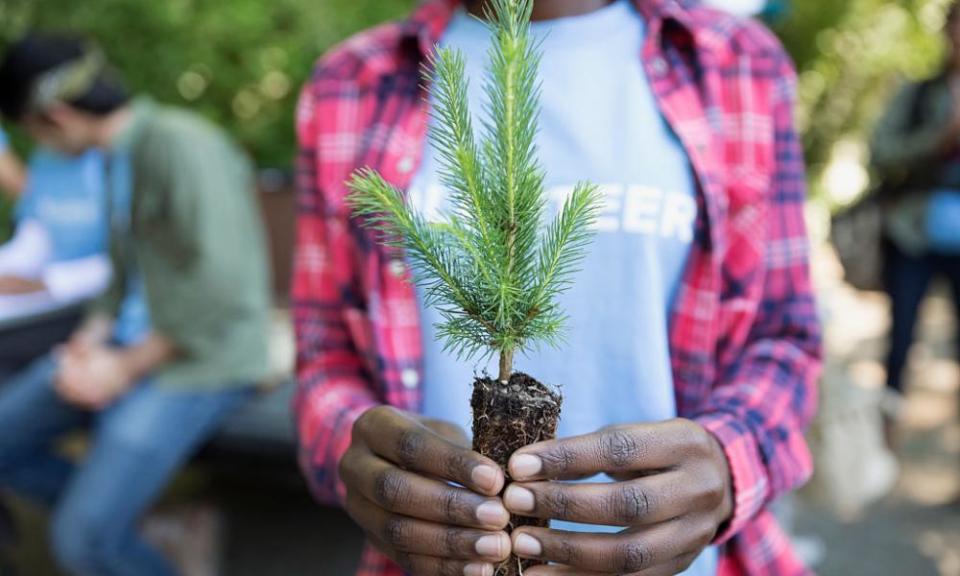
(398, 471)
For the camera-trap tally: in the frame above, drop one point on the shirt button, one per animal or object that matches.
(410, 378)
(659, 66)
(405, 165)
(398, 268)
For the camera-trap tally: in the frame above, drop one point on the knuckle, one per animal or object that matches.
(620, 448)
(631, 504)
(367, 421)
(558, 460)
(396, 533)
(697, 439)
(454, 543)
(555, 501)
(450, 568)
(457, 465)
(684, 562)
(410, 445)
(454, 505)
(345, 467)
(705, 535)
(714, 489)
(566, 553)
(390, 489)
(405, 561)
(634, 557)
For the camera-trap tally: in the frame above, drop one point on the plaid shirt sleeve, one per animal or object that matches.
(334, 388)
(767, 395)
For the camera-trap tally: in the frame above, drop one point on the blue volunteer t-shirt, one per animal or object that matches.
(4, 141)
(71, 198)
(67, 197)
(600, 122)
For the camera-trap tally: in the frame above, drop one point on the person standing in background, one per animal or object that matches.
(12, 175)
(915, 151)
(187, 240)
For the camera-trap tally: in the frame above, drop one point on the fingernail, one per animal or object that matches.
(519, 499)
(492, 514)
(485, 477)
(525, 466)
(491, 547)
(478, 570)
(528, 546)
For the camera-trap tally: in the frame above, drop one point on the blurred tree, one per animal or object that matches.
(241, 62)
(851, 56)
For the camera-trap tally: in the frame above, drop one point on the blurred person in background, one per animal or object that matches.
(381, 407)
(12, 176)
(57, 258)
(915, 152)
(151, 382)
(55, 261)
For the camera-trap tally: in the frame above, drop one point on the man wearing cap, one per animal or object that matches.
(178, 340)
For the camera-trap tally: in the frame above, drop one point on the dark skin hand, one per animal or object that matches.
(672, 493)
(397, 472)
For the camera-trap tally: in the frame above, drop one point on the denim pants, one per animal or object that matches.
(137, 446)
(907, 279)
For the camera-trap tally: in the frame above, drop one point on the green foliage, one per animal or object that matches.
(491, 269)
(851, 56)
(240, 63)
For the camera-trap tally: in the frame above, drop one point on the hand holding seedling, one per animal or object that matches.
(672, 492)
(397, 472)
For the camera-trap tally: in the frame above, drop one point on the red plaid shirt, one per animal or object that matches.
(744, 337)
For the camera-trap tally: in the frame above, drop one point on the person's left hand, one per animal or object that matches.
(672, 492)
(93, 376)
(17, 286)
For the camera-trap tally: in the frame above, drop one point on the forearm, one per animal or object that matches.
(26, 254)
(77, 280)
(760, 416)
(12, 175)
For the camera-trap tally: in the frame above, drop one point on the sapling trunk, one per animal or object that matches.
(506, 365)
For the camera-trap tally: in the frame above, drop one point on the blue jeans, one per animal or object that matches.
(137, 445)
(907, 280)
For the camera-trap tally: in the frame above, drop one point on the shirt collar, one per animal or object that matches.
(431, 18)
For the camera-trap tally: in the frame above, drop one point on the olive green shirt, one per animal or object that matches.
(196, 239)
